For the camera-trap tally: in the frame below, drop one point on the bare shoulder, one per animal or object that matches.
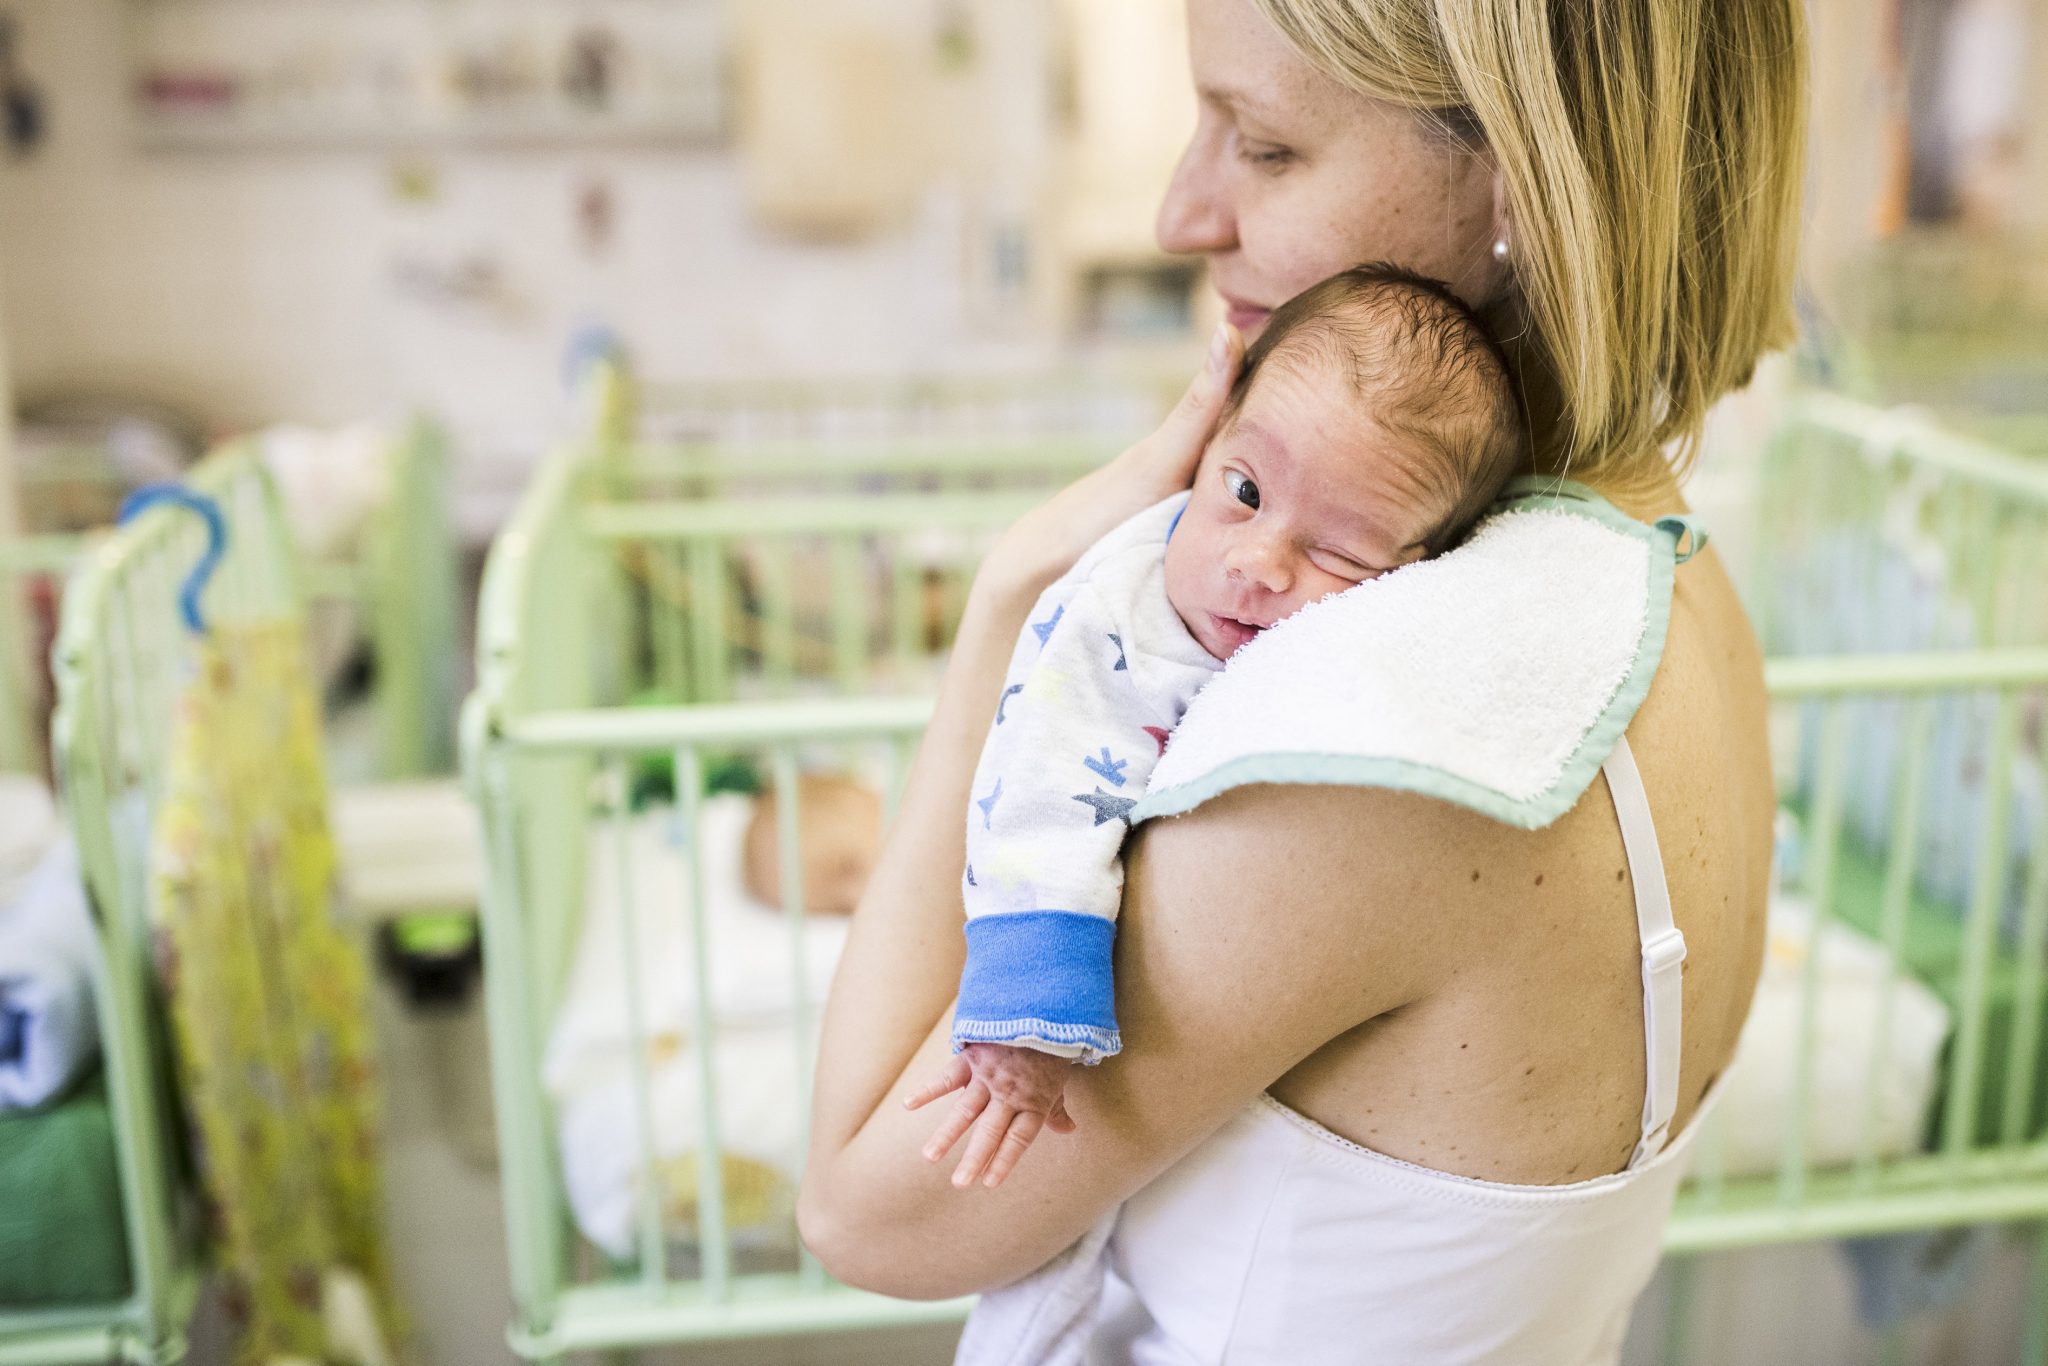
(1480, 994)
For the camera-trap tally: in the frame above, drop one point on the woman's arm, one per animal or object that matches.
(1254, 930)
(902, 959)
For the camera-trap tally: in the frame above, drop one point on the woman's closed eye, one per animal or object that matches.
(1242, 488)
(1265, 155)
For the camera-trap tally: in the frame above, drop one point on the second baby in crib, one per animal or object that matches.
(1373, 422)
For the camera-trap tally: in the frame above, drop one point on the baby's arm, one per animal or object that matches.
(1062, 767)
(1083, 721)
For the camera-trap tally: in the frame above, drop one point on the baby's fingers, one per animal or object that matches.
(982, 1143)
(955, 1076)
(1023, 1129)
(972, 1102)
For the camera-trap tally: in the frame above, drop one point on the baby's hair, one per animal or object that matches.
(1434, 376)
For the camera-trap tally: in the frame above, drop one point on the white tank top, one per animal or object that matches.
(1278, 1243)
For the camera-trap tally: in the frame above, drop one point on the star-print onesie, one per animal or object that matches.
(1099, 680)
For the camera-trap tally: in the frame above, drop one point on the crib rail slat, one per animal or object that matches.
(1960, 1120)
(789, 863)
(1899, 869)
(2022, 1077)
(714, 1247)
(1826, 847)
(653, 1241)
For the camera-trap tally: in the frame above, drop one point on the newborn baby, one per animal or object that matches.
(1373, 422)
(839, 834)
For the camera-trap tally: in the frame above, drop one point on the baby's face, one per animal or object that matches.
(1303, 495)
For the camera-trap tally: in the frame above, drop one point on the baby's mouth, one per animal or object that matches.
(1233, 634)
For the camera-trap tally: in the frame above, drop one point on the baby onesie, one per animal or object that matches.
(1099, 679)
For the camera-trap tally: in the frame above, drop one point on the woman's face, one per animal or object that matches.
(1291, 177)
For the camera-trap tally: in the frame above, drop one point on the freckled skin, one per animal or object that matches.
(1360, 180)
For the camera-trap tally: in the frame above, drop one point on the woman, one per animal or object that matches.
(1616, 182)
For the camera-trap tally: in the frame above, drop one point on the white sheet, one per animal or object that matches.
(49, 1031)
(587, 1065)
(1756, 1097)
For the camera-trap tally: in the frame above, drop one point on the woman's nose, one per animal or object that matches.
(1195, 215)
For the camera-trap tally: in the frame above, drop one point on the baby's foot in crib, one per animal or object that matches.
(1008, 1095)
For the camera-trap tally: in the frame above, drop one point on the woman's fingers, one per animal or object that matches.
(972, 1103)
(1175, 449)
(956, 1075)
(1046, 541)
(1022, 1130)
(1059, 1121)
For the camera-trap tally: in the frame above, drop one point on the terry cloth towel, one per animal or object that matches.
(48, 959)
(1497, 676)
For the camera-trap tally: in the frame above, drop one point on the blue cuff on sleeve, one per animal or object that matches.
(1040, 976)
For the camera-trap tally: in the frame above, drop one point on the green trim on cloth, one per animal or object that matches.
(1528, 493)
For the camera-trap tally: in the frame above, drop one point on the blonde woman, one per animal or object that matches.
(1383, 1091)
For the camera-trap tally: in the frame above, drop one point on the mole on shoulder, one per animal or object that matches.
(1475, 875)
(1539, 879)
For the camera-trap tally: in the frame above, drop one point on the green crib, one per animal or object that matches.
(403, 581)
(120, 663)
(634, 623)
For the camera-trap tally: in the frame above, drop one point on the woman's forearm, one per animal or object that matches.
(903, 956)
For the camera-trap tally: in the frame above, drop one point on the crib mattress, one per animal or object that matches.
(62, 1240)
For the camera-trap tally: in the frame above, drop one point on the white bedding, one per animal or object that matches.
(587, 1065)
(49, 1030)
(1754, 1110)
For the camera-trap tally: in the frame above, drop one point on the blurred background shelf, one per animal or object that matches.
(159, 133)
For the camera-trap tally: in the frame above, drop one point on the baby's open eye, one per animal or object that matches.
(1241, 488)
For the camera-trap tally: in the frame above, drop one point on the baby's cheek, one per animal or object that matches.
(1183, 572)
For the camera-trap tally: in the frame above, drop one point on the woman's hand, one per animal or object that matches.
(1045, 542)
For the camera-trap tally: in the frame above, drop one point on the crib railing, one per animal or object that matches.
(551, 751)
(1115, 402)
(122, 661)
(404, 578)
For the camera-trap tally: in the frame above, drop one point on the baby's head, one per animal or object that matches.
(839, 828)
(1374, 420)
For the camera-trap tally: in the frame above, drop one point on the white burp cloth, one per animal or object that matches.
(1497, 676)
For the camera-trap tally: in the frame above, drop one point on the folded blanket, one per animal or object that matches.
(48, 960)
(62, 1240)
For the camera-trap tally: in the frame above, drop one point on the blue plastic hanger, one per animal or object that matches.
(148, 496)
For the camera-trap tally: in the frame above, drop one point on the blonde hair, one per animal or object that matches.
(1652, 153)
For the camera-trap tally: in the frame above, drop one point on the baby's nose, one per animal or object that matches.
(1262, 561)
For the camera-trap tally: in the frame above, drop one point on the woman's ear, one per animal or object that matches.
(1503, 232)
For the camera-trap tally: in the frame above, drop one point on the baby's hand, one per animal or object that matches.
(1012, 1092)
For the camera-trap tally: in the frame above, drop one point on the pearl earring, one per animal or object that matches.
(1500, 249)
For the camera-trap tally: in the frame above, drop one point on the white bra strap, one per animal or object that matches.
(1663, 951)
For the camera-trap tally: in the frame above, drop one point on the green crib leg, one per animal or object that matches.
(1678, 1307)
(2034, 1343)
